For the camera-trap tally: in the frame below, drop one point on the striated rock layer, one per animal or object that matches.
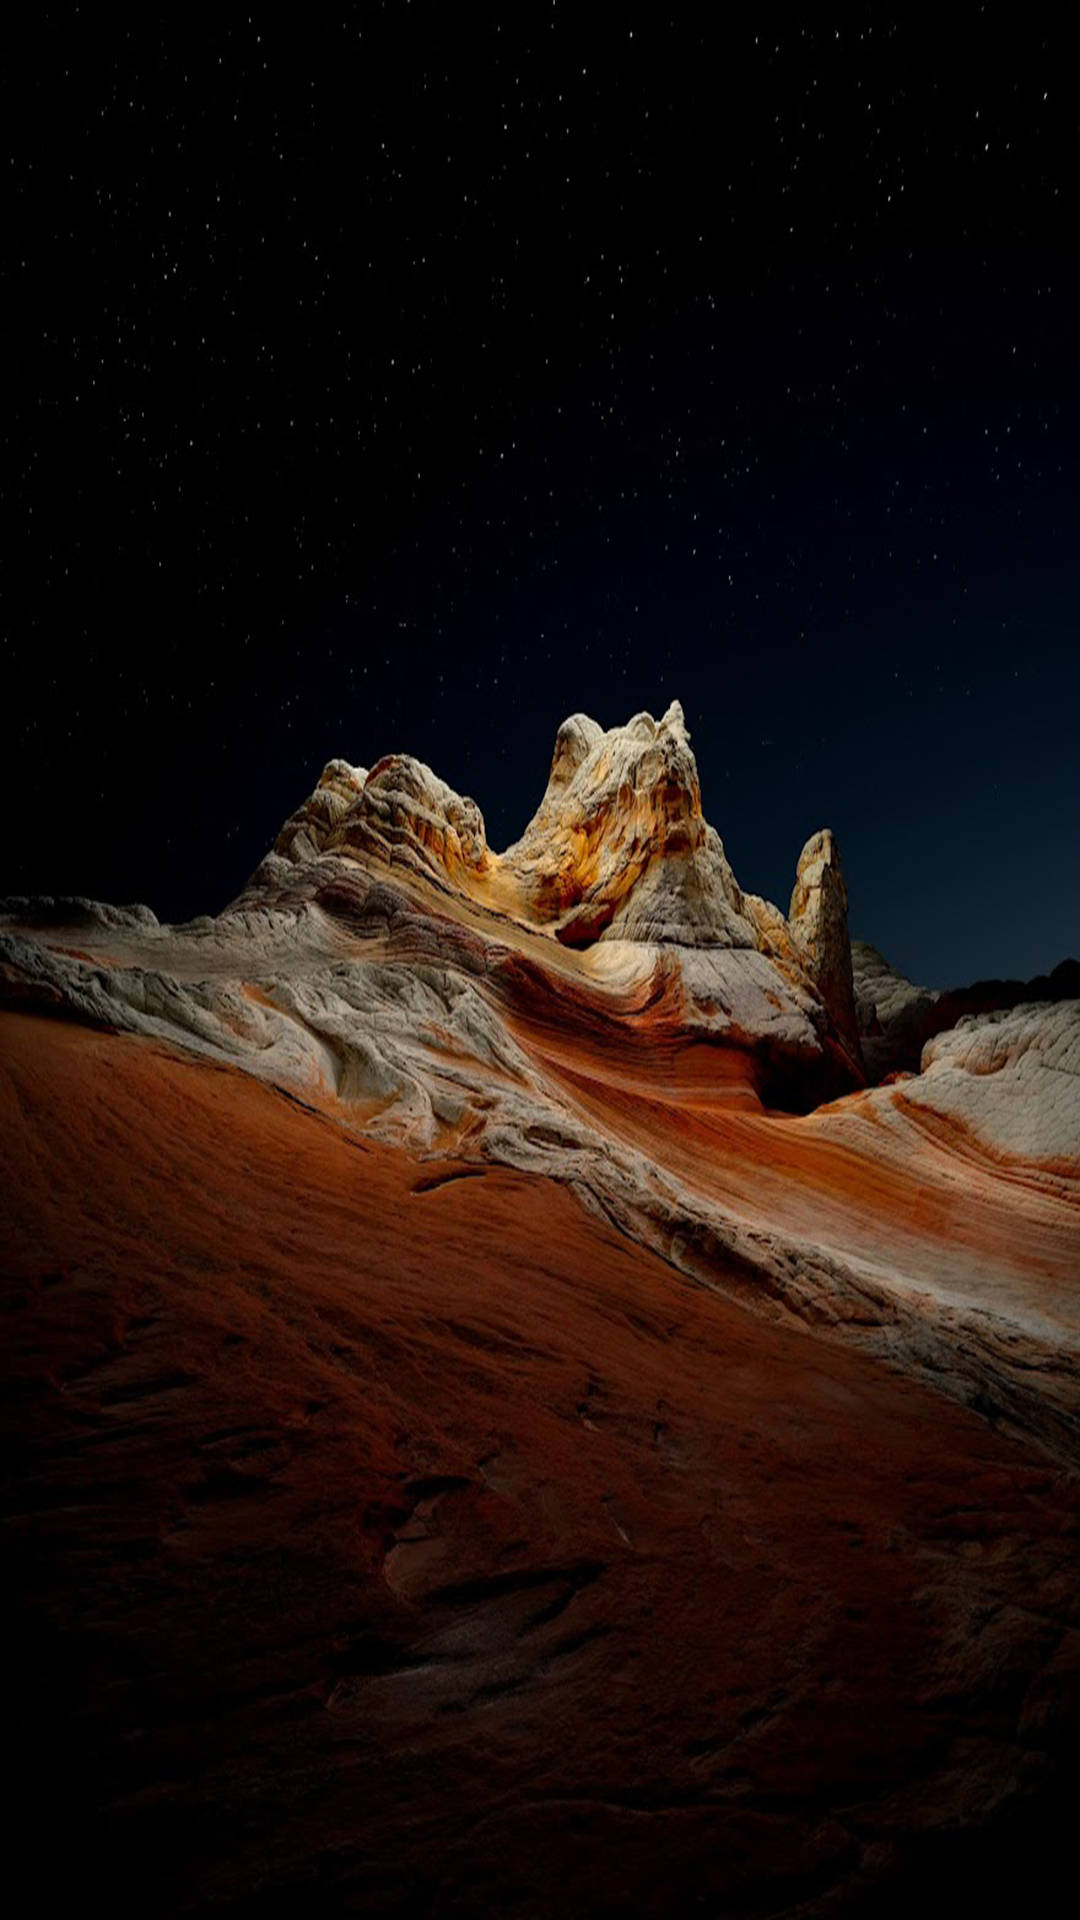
(483, 1435)
(895, 1019)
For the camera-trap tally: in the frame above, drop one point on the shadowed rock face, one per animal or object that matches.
(818, 922)
(896, 1019)
(894, 1016)
(468, 1450)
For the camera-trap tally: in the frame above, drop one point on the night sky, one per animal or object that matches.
(409, 378)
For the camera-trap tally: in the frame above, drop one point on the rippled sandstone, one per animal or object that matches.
(490, 1377)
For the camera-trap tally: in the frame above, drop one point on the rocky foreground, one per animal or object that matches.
(503, 1413)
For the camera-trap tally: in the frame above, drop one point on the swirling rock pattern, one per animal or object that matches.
(476, 1297)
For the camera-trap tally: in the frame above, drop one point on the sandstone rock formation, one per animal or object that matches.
(408, 817)
(818, 921)
(893, 1016)
(437, 1290)
(895, 1019)
(619, 847)
(1012, 1079)
(397, 1534)
(452, 999)
(306, 832)
(618, 850)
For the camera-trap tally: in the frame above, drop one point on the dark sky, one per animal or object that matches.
(409, 378)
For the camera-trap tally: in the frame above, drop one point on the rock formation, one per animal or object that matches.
(619, 848)
(618, 851)
(818, 922)
(893, 1016)
(478, 1345)
(895, 1019)
(450, 998)
(307, 831)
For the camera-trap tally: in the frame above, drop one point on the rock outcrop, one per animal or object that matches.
(433, 1292)
(453, 999)
(409, 818)
(896, 1019)
(619, 850)
(1011, 1079)
(395, 1533)
(893, 1016)
(307, 832)
(594, 1005)
(818, 922)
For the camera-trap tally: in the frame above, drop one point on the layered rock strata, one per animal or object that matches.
(458, 1364)
(602, 1005)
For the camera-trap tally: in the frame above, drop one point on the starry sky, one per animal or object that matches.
(406, 378)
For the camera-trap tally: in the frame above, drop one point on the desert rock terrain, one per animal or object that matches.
(507, 1409)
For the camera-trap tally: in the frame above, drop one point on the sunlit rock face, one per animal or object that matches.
(446, 1282)
(619, 850)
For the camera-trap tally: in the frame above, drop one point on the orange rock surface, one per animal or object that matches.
(499, 1416)
(393, 1536)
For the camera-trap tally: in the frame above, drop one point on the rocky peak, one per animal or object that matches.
(306, 832)
(406, 816)
(618, 849)
(818, 922)
(573, 743)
